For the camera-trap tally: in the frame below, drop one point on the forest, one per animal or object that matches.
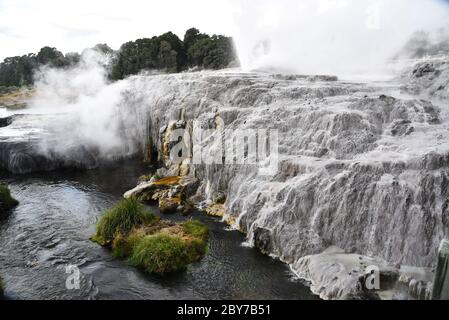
(165, 53)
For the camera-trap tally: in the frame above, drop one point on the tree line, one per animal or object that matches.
(165, 53)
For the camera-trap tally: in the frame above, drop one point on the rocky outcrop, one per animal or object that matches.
(429, 78)
(364, 167)
(171, 193)
(361, 167)
(338, 275)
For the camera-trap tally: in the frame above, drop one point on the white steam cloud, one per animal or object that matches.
(343, 37)
(88, 109)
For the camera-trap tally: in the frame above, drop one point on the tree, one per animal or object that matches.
(17, 71)
(167, 57)
(214, 52)
(51, 56)
(166, 52)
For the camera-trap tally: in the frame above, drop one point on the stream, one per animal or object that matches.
(50, 231)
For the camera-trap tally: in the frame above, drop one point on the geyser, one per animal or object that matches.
(341, 37)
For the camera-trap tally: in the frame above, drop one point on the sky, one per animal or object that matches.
(71, 26)
(308, 34)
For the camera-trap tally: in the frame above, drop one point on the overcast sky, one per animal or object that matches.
(28, 25)
(73, 25)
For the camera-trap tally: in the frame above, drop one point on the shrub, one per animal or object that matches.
(161, 253)
(6, 201)
(121, 219)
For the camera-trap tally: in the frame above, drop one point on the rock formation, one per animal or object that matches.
(362, 166)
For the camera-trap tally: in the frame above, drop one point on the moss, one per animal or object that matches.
(161, 253)
(6, 201)
(125, 216)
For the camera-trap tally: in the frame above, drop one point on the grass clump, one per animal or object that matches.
(196, 229)
(161, 253)
(171, 249)
(121, 219)
(198, 236)
(123, 245)
(155, 245)
(7, 202)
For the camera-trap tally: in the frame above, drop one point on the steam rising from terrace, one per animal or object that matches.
(89, 106)
(342, 37)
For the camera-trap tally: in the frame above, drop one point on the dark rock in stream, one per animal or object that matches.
(4, 122)
(262, 240)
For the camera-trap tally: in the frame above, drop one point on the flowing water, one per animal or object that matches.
(50, 230)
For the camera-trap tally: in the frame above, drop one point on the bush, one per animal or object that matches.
(161, 253)
(6, 201)
(121, 219)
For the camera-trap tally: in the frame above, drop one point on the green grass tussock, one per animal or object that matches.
(155, 245)
(123, 246)
(196, 229)
(121, 219)
(161, 253)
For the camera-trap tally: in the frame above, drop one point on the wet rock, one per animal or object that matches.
(263, 240)
(420, 290)
(169, 205)
(146, 190)
(171, 193)
(219, 198)
(335, 274)
(215, 210)
(4, 122)
(402, 128)
(423, 69)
